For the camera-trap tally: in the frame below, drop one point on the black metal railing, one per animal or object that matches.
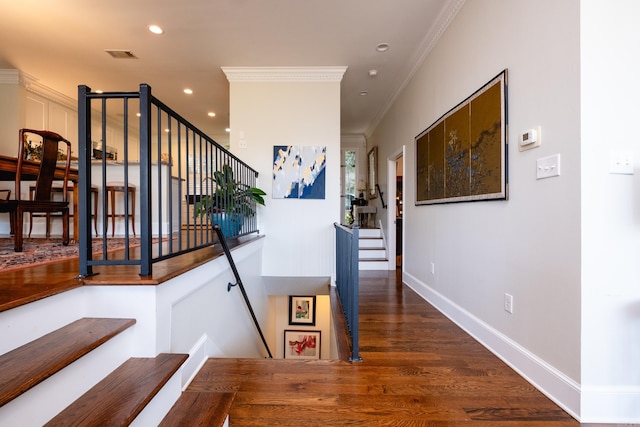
(348, 281)
(162, 170)
(236, 275)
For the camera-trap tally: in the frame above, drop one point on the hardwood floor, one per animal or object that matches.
(418, 369)
(29, 284)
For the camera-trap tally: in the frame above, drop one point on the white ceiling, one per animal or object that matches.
(62, 44)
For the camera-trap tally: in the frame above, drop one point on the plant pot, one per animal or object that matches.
(230, 224)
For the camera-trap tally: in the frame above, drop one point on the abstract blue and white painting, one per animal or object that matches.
(299, 172)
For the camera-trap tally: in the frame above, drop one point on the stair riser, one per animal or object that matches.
(371, 243)
(18, 326)
(369, 233)
(155, 411)
(372, 254)
(55, 393)
(373, 265)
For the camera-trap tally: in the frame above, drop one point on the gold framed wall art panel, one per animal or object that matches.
(463, 155)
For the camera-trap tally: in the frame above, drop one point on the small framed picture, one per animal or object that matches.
(302, 310)
(302, 344)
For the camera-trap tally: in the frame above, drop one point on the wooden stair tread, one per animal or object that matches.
(32, 363)
(207, 409)
(121, 396)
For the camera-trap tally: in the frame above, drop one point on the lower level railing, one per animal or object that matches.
(347, 281)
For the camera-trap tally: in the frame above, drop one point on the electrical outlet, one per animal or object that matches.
(621, 162)
(508, 303)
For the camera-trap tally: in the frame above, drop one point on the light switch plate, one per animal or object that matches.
(548, 167)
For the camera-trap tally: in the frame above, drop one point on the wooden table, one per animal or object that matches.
(30, 168)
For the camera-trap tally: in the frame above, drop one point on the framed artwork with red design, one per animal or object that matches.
(301, 344)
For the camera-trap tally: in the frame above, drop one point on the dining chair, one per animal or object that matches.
(5, 206)
(41, 202)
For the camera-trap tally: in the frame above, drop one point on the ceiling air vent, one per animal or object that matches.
(121, 54)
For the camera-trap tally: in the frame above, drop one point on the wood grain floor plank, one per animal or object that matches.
(419, 369)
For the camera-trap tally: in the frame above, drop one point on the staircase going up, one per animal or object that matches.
(372, 251)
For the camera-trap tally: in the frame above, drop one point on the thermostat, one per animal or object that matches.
(529, 138)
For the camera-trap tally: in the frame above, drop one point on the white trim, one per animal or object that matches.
(31, 84)
(391, 208)
(620, 405)
(353, 141)
(197, 357)
(564, 391)
(447, 13)
(284, 74)
(52, 95)
(10, 76)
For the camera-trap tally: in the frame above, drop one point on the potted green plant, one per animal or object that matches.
(231, 202)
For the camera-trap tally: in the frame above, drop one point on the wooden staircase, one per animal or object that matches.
(35, 373)
(372, 250)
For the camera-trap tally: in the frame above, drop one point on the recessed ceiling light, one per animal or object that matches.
(211, 114)
(373, 73)
(155, 29)
(188, 91)
(98, 91)
(364, 93)
(227, 130)
(382, 47)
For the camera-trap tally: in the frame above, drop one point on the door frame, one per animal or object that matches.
(391, 211)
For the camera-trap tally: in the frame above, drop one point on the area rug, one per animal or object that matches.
(42, 251)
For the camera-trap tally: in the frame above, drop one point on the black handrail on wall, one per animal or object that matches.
(238, 283)
(348, 281)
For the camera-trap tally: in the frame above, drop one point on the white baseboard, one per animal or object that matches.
(619, 405)
(198, 355)
(554, 384)
(588, 404)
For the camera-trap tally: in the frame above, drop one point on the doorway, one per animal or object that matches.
(399, 210)
(348, 184)
(395, 213)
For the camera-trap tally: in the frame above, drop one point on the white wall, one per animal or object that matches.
(10, 111)
(610, 212)
(198, 304)
(290, 107)
(530, 245)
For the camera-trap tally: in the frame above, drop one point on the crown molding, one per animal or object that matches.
(31, 84)
(51, 95)
(13, 77)
(284, 74)
(446, 16)
(353, 140)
